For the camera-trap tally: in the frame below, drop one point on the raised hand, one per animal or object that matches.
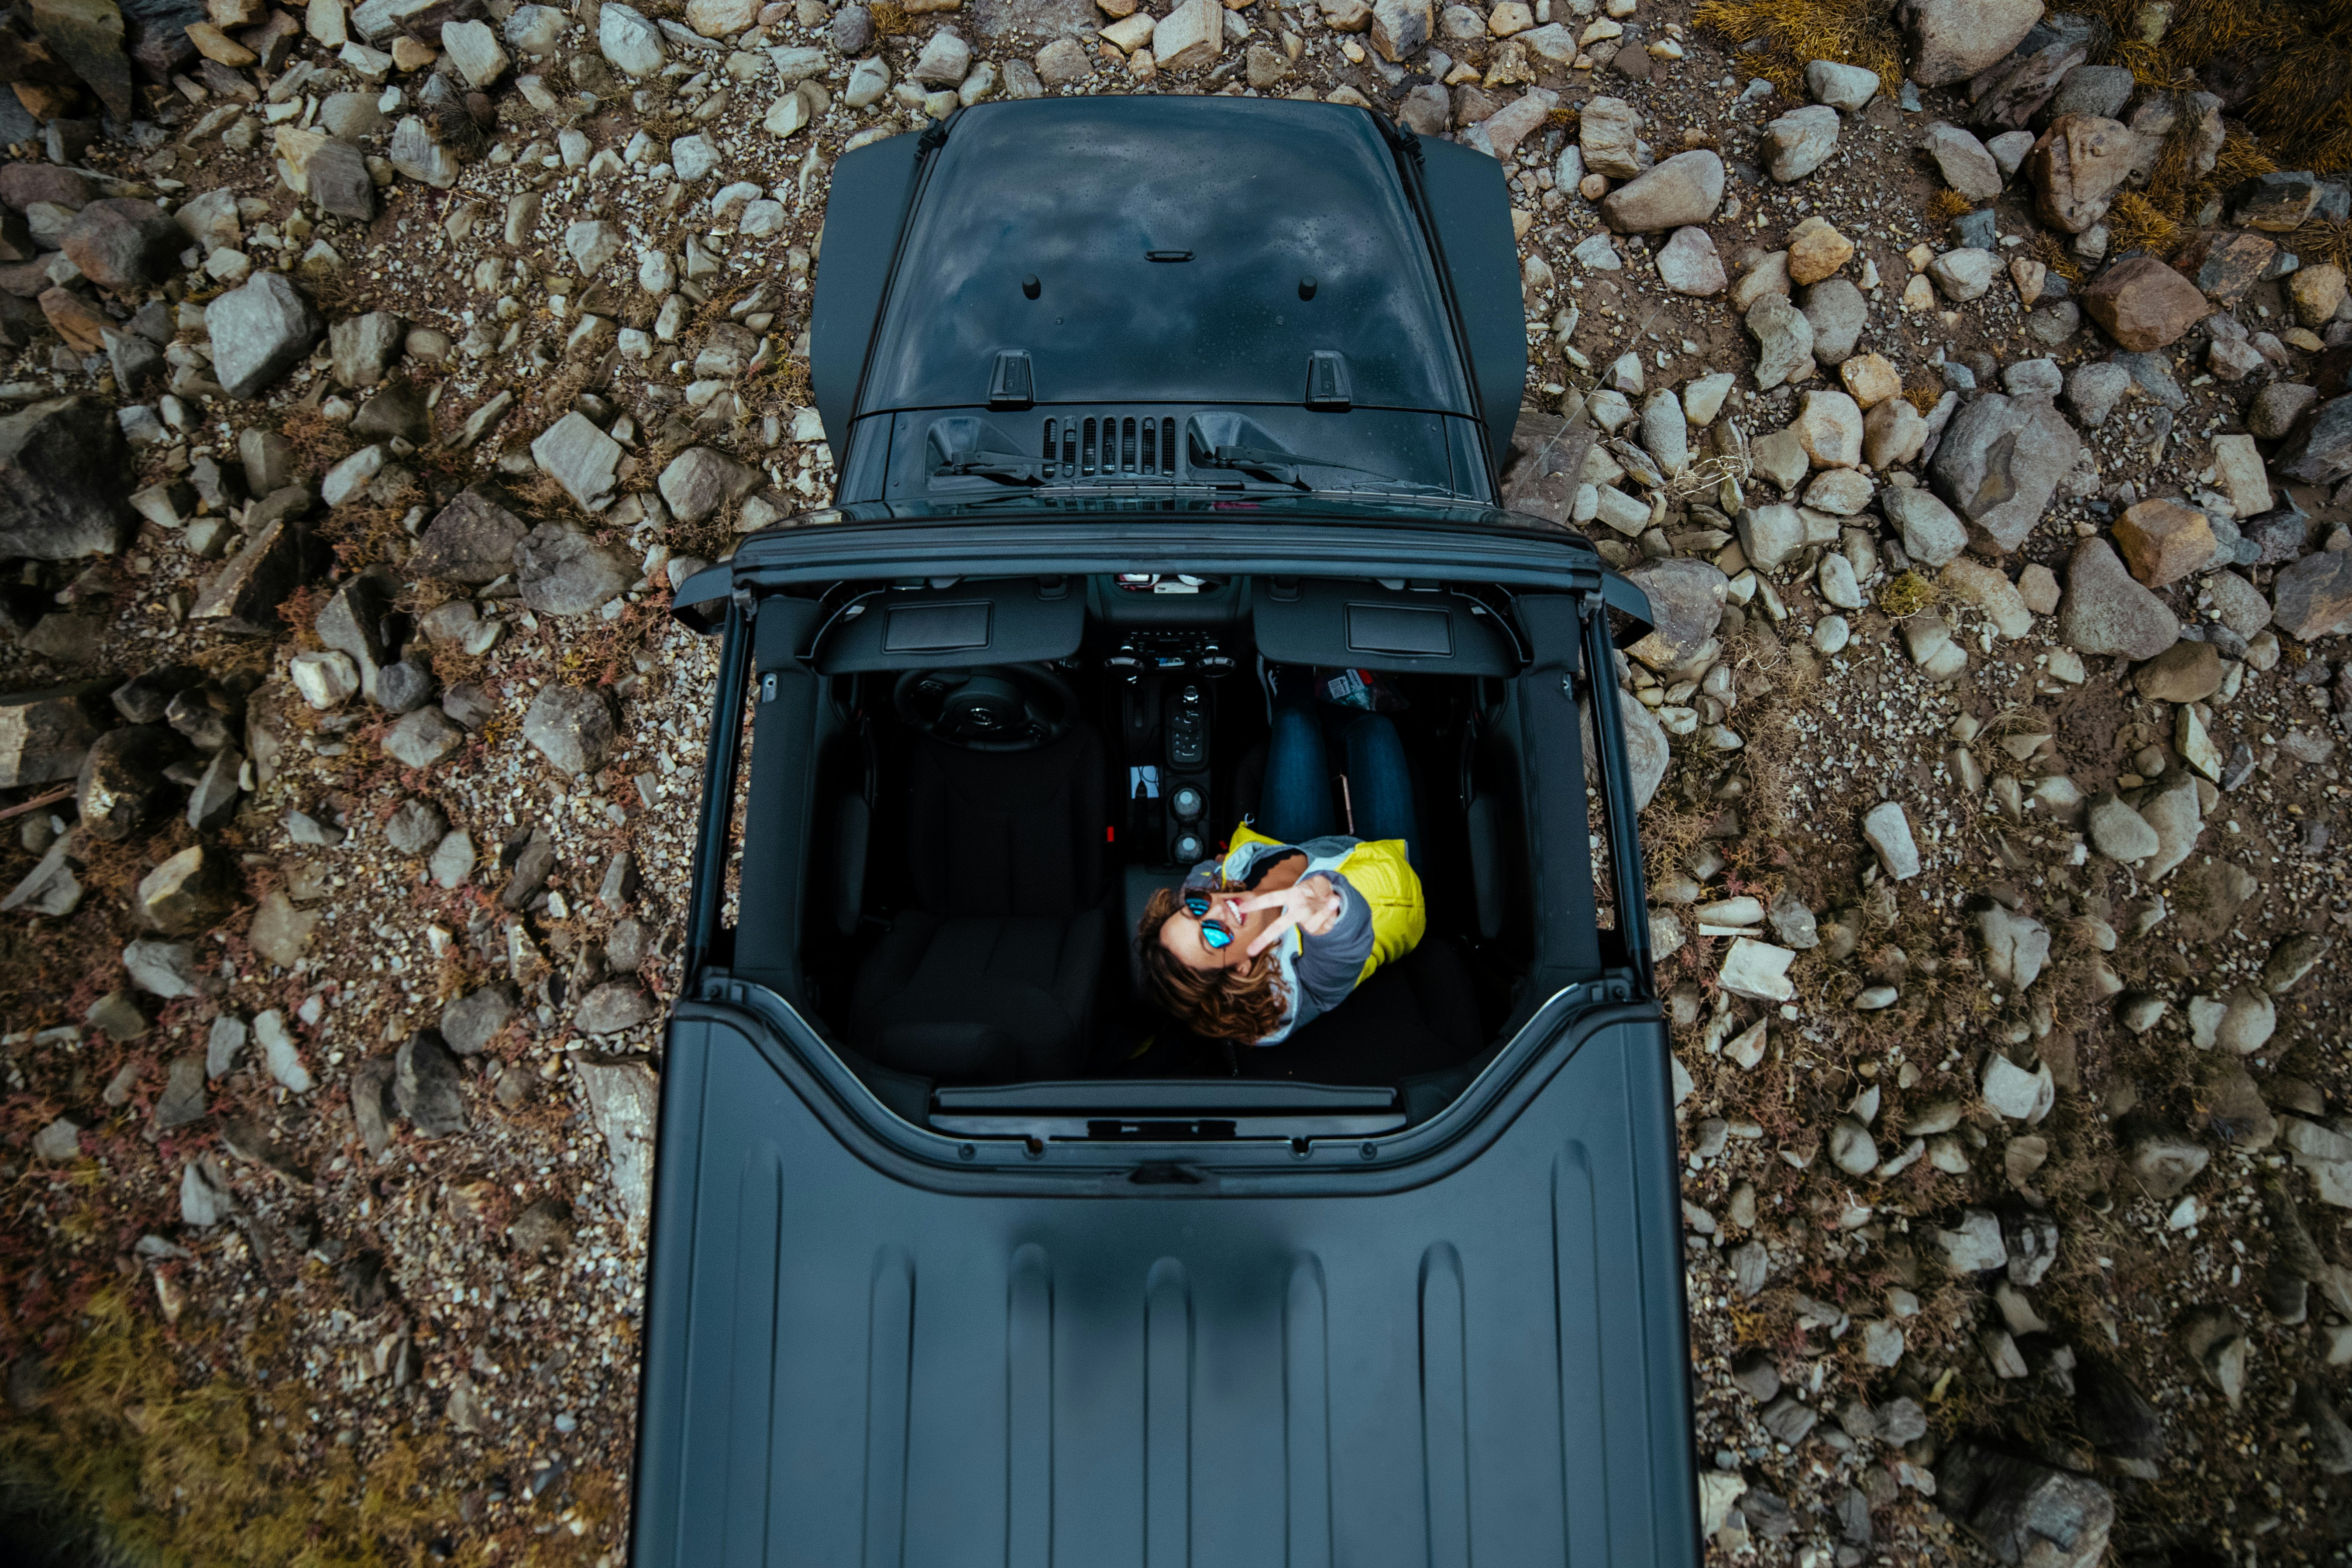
(1311, 903)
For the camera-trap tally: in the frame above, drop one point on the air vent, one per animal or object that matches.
(1110, 446)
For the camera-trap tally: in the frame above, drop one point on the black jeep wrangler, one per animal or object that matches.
(960, 1253)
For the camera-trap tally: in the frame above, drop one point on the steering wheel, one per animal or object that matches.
(992, 707)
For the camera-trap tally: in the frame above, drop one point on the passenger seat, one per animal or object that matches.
(992, 977)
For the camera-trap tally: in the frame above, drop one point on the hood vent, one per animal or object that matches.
(1110, 447)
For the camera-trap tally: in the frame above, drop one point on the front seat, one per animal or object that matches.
(991, 977)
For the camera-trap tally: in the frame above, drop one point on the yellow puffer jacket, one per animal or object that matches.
(1376, 872)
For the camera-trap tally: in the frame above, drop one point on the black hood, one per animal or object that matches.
(1169, 242)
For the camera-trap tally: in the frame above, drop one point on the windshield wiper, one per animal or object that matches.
(1281, 465)
(1010, 467)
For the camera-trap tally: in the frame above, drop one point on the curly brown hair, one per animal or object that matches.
(1243, 1004)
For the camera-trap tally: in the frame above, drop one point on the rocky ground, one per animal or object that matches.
(371, 376)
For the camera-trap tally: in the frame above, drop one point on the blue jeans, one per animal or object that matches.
(1296, 803)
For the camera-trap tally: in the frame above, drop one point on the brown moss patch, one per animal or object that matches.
(1906, 595)
(1794, 32)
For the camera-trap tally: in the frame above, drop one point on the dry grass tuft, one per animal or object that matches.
(318, 442)
(338, 291)
(2135, 222)
(2049, 250)
(2295, 55)
(2327, 239)
(361, 534)
(1923, 396)
(890, 19)
(1852, 32)
(1948, 204)
(2242, 158)
(603, 652)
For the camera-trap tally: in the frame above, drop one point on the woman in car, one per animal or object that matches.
(1297, 914)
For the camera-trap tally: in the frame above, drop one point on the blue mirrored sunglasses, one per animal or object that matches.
(1213, 934)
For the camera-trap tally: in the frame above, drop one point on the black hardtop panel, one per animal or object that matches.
(1168, 240)
(849, 1363)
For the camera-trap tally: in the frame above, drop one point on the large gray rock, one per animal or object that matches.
(945, 61)
(2093, 390)
(1963, 162)
(182, 1100)
(700, 479)
(1975, 1246)
(50, 887)
(1784, 340)
(581, 458)
(259, 332)
(1687, 264)
(351, 622)
(2106, 611)
(1771, 534)
(364, 347)
(2000, 462)
(1949, 40)
(88, 37)
(64, 481)
(2100, 90)
(629, 41)
(2178, 816)
(1887, 829)
(281, 552)
(1799, 142)
(2319, 451)
(400, 409)
(123, 244)
(592, 245)
(2014, 90)
(615, 1005)
(472, 540)
(471, 1022)
(571, 727)
(418, 153)
(1686, 599)
(2023, 1512)
(422, 739)
(561, 570)
(428, 1087)
(162, 968)
(623, 1100)
(1681, 191)
(2313, 598)
(1841, 86)
(1932, 534)
(1607, 133)
(2016, 947)
(2117, 831)
(45, 734)
(352, 115)
(1837, 312)
(415, 826)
